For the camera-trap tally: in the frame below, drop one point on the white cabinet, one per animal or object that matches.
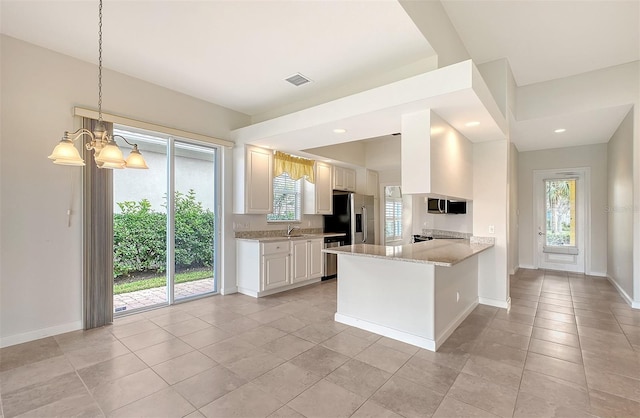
(276, 258)
(306, 260)
(368, 182)
(344, 179)
(318, 197)
(253, 180)
(264, 268)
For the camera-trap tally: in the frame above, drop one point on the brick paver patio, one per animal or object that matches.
(149, 297)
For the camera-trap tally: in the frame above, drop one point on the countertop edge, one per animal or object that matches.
(477, 248)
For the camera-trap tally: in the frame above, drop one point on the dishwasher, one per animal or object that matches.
(331, 260)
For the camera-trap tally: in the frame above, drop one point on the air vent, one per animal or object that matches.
(297, 79)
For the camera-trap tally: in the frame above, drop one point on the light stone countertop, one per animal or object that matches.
(441, 252)
(293, 237)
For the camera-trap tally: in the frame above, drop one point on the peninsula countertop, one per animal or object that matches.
(294, 237)
(441, 252)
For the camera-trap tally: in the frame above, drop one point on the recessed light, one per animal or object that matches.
(339, 130)
(472, 124)
(559, 131)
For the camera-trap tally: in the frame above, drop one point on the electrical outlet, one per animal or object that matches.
(492, 229)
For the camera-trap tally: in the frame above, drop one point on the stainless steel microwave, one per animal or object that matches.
(444, 206)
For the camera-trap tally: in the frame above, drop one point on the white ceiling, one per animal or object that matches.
(237, 53)
(545, 40)
(232, 53)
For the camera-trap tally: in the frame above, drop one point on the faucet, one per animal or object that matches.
(291, 228)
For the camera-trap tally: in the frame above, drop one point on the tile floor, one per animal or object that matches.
(569, 347)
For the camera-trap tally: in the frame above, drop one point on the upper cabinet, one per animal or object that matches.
(436, 158)
(253, 180)
(318, 197)
(344, 179)
(367, 182)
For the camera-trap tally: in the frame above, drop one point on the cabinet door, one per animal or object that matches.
(350, 180)
(315, 258)
(300, 261)
(258, 181)
(275, 271)
(372, 183)
(338, 178)
(324, 188)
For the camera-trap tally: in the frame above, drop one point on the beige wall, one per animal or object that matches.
(620, 206)
(513, 209)
(490, 208)
(41, 246)
(593, 156)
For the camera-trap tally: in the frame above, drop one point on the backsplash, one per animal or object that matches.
(439, 233)
(276, 232)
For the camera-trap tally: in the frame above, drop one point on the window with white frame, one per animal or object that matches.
(287, 199)
(393, 214)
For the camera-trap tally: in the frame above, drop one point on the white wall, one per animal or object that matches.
(514, 212)
(490, 208)
(41, 265)
(593, 156)
(432, 20)
(620, 206)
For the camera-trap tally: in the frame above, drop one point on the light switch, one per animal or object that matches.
(492, 229)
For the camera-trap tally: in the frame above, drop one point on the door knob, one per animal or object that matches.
(540, 233)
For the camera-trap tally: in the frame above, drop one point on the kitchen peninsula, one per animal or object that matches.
(417, 293)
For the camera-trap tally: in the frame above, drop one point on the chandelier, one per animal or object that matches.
(106, 152)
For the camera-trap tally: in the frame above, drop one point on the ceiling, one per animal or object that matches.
(238, 53)
(233, 53)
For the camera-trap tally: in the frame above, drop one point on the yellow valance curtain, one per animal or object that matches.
(295, 167)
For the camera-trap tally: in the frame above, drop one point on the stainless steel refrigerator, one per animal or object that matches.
(354, 215)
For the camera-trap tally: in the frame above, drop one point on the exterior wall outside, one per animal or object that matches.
(130, 185)
(593, 156)
(41, 270)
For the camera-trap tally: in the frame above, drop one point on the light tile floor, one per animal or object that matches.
(569, 347)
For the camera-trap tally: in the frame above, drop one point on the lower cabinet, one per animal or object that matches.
(264, 268)
(306, 260)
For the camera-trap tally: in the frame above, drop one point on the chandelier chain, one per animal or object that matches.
(100, 62)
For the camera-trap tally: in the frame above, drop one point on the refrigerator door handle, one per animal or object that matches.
(364, 224)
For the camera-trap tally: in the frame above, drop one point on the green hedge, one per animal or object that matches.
(139, 236)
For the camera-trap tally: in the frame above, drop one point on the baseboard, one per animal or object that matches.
(528, 267)
(452, 327)
(40, 333)
(405, 337)
(505, 304)
(229, 290)
(634, 304)
(514, 271)
(260, 294)
(597, 274)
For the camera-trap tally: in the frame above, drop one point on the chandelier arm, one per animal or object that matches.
(125, 140)
(77, 134)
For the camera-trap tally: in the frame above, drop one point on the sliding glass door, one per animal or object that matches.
(164, 249)
(194, 219)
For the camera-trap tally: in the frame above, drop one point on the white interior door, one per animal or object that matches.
(561, 219)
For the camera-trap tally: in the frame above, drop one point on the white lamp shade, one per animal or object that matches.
(66, 154)
(115, 166)
(110, 154)
(135, 160)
